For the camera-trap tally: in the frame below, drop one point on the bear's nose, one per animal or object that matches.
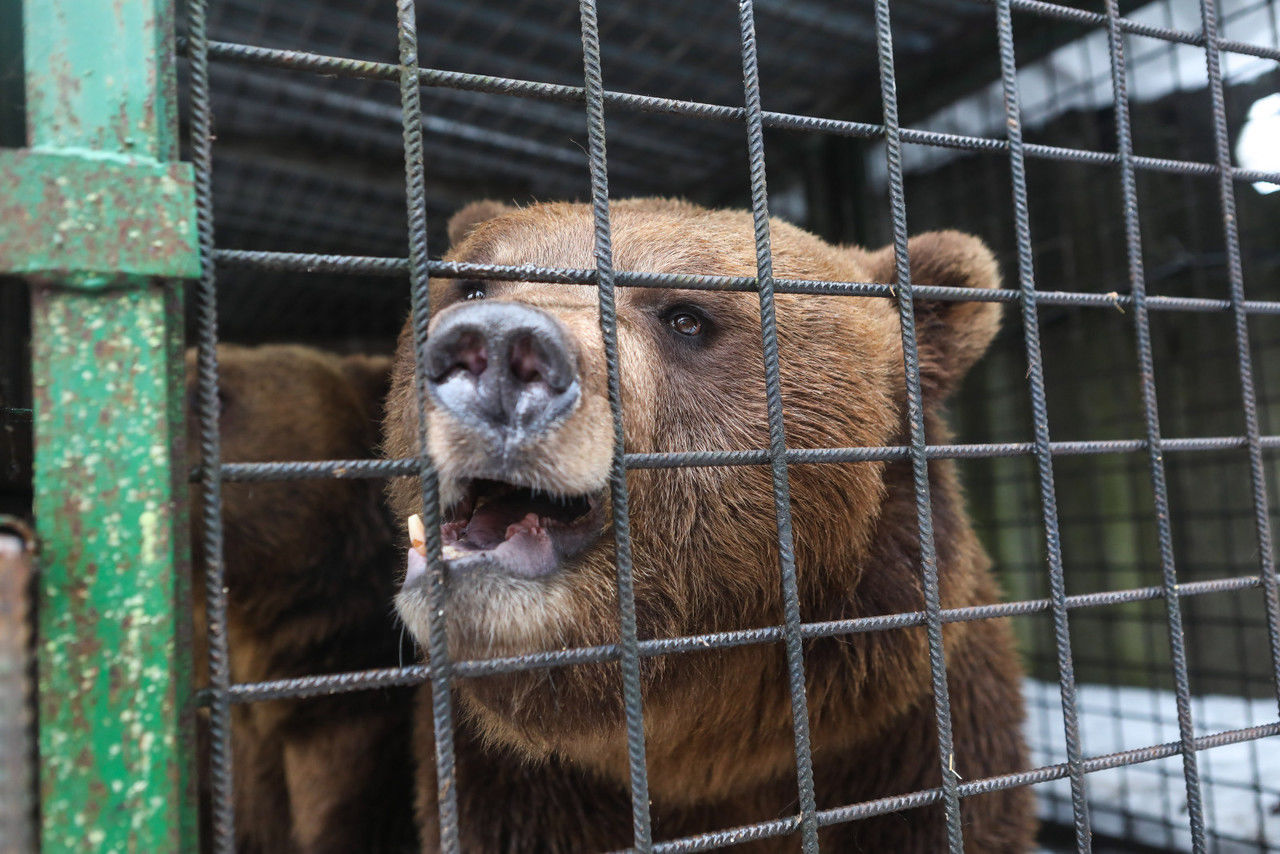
(504, 367)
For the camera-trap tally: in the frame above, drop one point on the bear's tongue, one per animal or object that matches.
(491, 524)
(497, 520)
(521, 544)
(509, 528)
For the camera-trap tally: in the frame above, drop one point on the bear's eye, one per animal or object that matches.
(686, 321)
(472, 290)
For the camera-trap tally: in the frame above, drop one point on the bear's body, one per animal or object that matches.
(309, 575)
(542, 758)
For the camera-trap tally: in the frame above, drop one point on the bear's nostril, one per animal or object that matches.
(527, 364)
(472, 354)
(469, 353)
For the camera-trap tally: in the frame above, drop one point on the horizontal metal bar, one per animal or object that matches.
(307, 262)
(1097, 19)
(315, 470)
(93, 218)
(407, 466)
(341, 66)
(839, 815)
(312, 262)
(886, 806)
(313, 686)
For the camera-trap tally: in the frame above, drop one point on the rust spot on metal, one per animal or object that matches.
(95, 216)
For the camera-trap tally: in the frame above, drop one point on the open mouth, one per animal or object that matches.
(511, 529)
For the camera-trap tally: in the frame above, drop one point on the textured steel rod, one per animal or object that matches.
(366, 265)
(1151, 419)
(315, 469)
(221, 812)
(632, 697)
(1100, 20)
(915, 420)
(1040, 426)
(777, 433)
(341, 66)
(310, 686)
(420, 317)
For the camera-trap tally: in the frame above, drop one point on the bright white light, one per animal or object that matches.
(1077, 76)
(1259, 144)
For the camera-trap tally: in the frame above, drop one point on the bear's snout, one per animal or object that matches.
(504, 369)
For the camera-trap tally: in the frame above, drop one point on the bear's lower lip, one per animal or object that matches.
(501, 527)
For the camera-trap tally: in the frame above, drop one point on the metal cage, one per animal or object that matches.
(1116, 444)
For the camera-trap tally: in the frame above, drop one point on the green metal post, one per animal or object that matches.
(99, 217)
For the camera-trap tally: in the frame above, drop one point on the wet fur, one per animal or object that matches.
(542, 755)
(310, 578)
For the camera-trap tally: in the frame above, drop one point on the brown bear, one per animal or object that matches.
(521, 434)
(310, 579)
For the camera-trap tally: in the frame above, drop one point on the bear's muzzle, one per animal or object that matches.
(504, 370)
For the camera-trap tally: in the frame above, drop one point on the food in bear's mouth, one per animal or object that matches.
(509, 529)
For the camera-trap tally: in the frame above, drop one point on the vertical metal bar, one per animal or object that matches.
(631, 688)
(101, 80)
(1151, 419)
(1257, 472)
(915, 416)
(1040, 427)
(777, 436)
(114, 680)
(115, 699)
(221, 812)
(420, 312)
(1235, 271)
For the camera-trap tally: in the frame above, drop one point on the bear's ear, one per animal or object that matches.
(461, 223)
(951, 335)
(370, 377)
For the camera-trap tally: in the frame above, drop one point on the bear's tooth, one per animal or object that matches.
(417, 535)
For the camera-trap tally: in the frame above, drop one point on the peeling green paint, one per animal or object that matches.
(100, 76)
(100, 212)
(113, 679)
(91, 218)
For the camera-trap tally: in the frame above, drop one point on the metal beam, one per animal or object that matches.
(93, 220)
(115, 703)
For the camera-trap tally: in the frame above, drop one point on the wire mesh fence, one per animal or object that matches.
(1115, 445)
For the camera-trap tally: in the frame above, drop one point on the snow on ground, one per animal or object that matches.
(1147, 802)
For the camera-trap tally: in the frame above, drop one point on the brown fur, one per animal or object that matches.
(309, 579)
(542, 755)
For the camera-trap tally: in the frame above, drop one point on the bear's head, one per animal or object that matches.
(521, 434)
(284, 403)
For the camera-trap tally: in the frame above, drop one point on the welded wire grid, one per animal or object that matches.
(1110, 519)
(1016, 463)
